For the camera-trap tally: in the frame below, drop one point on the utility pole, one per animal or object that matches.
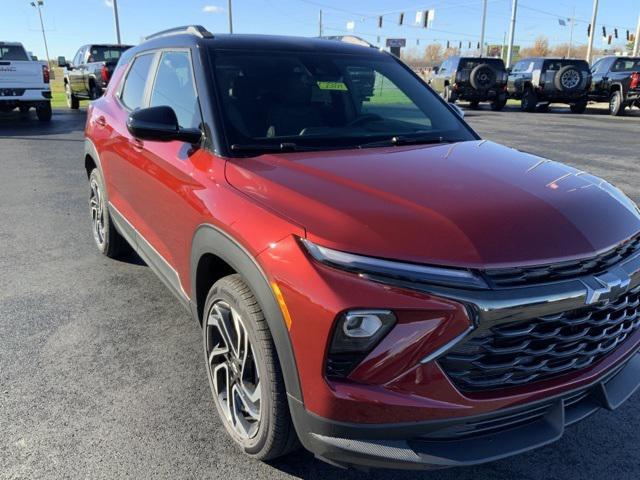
(504, 43)
(230, 18)
(573, 22)
(320, 32)
(37, 4)
(636, 45)
(512, 31)
(117, 20)
(484, 23)
(593, 30)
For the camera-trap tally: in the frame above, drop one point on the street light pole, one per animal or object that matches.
(484, 23)
(636, 46)
(37, 4)
(230, 18)
(573, 22)
(512, 31)
(117, 20)
(593, 30)
(320, 32)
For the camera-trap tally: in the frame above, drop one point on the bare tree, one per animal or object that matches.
(540, 48)
(433, 53)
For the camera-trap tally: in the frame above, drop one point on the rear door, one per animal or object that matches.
(76, 74)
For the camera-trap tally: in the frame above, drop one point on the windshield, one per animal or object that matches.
(13, 52)
(326, 100)
(105, 54)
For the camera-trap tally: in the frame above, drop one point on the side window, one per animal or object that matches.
(133, 91)
(77, 60)
(174, 87)
(519, 67)
(444, 67)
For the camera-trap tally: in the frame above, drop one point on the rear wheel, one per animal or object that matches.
(499, 103)
(95, 91)
(44, 112)
(543, 108)
(616, 104)
(107, 238)
(579, 107)
(244, 371)
(529, 101)
(72, 101)
(474, 104)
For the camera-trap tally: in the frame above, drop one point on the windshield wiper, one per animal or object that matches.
(398, 140)
(272, 147)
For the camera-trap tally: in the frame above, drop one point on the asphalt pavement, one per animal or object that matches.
(101, 370)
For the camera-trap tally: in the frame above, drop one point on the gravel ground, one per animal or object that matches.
(101, 374)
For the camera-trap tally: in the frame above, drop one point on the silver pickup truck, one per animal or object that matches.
(24, 82)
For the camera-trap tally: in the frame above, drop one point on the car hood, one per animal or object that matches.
(472, 204)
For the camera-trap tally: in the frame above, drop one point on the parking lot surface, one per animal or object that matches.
(101, 374)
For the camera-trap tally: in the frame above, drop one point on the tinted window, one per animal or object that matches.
(326, 100)
(13, 52)
(558, 64)
(626, 65)
(133, 91)
(471, 63)
(105, 54)
(174, 87)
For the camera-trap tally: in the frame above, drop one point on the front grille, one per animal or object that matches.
(522, 352)
(524, 276)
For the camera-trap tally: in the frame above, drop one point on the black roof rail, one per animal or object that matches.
(349, 39)
(197, 30)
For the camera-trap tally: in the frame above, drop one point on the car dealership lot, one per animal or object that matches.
(101, 373)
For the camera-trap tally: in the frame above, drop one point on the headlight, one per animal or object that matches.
(376, 267)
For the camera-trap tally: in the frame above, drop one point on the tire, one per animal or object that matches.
(578, 107)
(616, 104)
(107, 238)
(448, 95)
(24, 109)
(95, 91)
(499, 103)
(569, 79)
(72, 101)
(543, 108)
(482, 77)
(474, 104)
(529, 101)
(44, 112)
(262, 425)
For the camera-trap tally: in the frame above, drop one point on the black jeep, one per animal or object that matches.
(473, 79)
(538, 82)
(616, 80)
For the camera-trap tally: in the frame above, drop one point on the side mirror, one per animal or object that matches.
(457, 110)
(62, 62)
(436, 70)
(160, 124)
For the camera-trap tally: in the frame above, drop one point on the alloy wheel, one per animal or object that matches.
(96, 204)
(570, 79)
(234, 372)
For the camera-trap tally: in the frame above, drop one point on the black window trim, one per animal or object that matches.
(125, 77)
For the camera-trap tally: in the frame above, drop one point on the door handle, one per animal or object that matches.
(137, 144)
(101, 121)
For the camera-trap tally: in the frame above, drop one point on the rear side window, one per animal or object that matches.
(174, 88)
(627, 65)
(133, 91)
(495, 63)
(99, 53)
(558, 64)
(13, 52)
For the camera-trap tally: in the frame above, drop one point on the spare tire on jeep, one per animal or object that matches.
(483, 77)
(569, 79)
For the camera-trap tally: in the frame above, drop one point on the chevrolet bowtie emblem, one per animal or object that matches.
(606, 287)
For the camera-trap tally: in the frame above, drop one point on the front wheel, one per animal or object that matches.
(616, 104)
(499, 103)
(72, 101)
(578, 107)
(474, 104)
(244, 371)
(529, 101)
(448, 95)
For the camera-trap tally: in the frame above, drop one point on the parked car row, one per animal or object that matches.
(537, 82)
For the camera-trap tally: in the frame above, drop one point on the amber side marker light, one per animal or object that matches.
(283, 306)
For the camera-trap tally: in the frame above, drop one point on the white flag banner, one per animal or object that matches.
(351, 25)
(432, 15)
(419, 17)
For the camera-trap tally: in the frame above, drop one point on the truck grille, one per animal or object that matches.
(522, 352)
(518, 277)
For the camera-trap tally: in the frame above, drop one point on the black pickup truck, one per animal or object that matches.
(616, 80)
(88, 74)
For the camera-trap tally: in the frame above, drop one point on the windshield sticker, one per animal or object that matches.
(340, 86)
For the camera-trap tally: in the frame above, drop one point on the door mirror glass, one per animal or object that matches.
(62, 62)
(160, 124)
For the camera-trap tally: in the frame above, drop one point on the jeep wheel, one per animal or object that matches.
(578, 107)
(244, 372)
(44, 112)
(543, 107)
(482, 77)
(72, 101)
(529, 101)
(474, 104)
(448, 95)
(499, 103)
(107, 238)
(616, 104)
(568, 79)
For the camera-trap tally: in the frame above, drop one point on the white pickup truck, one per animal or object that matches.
(24, 82)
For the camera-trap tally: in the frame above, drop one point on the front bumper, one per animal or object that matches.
(466, 441)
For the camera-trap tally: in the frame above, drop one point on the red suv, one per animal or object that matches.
(373, 280)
